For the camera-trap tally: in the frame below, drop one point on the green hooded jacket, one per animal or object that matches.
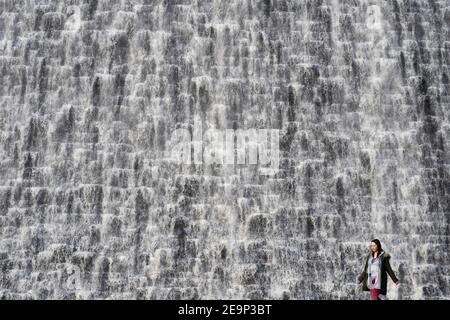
(385, 270)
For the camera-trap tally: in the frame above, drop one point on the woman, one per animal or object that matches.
(377, 266)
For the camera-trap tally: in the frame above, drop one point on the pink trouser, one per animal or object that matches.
(374, 294)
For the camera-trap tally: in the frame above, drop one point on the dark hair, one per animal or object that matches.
(378, 243)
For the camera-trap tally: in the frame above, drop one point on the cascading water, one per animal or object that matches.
(91, 207)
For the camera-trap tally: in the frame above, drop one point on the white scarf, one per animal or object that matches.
(374, 272)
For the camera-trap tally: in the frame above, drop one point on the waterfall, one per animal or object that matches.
(93, 205)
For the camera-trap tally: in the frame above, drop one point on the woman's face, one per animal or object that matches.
(374, 247)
